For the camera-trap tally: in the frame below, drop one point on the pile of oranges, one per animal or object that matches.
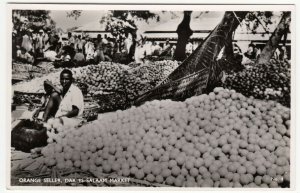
(222, 139)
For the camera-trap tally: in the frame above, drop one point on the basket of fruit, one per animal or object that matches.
(22, 97)
(90, 111)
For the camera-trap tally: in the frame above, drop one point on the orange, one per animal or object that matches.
(150, 177)
(159, 179)
(139, 174)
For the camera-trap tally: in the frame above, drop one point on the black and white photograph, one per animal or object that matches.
(163, 96)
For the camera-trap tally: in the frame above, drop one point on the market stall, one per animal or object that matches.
(202, 122)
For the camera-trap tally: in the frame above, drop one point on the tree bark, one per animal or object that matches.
(228, 49)
(207, 52)
(280, 31)
(184, 33)
(132, 49)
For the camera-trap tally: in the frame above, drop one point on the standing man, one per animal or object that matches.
(71, 39)
(189, 49)
(39, 43)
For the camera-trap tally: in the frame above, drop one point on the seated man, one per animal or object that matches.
(71, 105)
(24, 56)
(50, 54)
(79, 58)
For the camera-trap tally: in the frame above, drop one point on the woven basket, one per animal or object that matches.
(28, 135)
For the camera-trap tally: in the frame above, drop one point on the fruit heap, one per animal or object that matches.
(146, 76)
(270, 81)
(107, 78)
(101, 79)
(155, 71)
(135, 86)
(222, 139)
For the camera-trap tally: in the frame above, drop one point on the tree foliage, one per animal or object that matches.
(120, 22)
(255, 19)
(32, 19)
(74, 14)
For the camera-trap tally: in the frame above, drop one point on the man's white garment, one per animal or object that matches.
(128, 43)
(50, 55)
(89, 50)
(73, 97)
(189, 48)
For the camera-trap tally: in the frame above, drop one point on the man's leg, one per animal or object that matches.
(52, 106)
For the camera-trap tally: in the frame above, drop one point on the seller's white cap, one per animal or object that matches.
(41, 31)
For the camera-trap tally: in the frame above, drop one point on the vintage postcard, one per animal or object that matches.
(168, 96)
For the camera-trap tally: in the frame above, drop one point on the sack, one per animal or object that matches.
(28, 135)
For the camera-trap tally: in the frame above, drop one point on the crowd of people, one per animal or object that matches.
(254, 52)
(30, 47)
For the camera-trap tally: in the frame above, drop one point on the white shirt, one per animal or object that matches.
(50, 55)
(73, 97)
(189, 48)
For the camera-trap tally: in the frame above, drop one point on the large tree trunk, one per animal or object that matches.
(200, 70)
(228, 49)
(132, 49)
(272, 44)
(184, 33)
(206, 53)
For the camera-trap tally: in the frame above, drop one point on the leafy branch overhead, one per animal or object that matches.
(32, 19)
(258, 18)
(74, 13)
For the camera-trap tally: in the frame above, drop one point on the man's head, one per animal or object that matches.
(252, 45)
(23, 50)
(41, 32)
(69, 34)
(52, 48)
(66, 79)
